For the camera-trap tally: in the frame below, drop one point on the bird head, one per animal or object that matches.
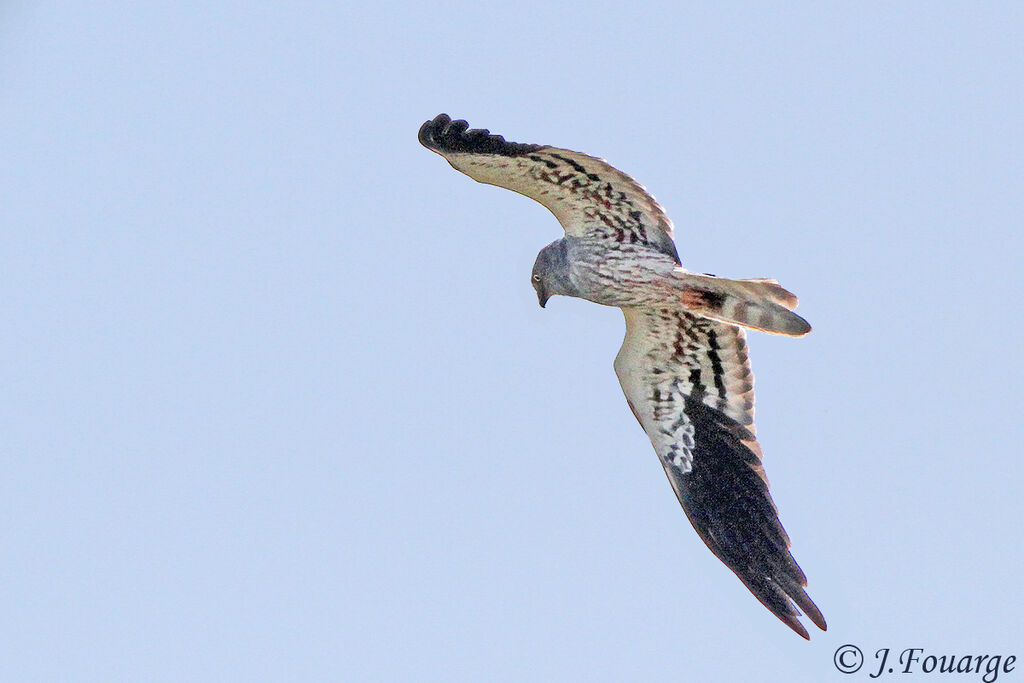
(551, 272)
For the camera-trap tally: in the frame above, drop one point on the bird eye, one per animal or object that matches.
(536, 278)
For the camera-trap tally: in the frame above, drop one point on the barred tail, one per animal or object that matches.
(758, 304)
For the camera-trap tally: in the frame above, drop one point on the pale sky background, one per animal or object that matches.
(278, 402)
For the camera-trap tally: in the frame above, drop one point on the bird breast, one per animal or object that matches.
(623, 277)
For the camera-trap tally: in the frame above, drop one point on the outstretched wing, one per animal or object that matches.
(688, 381)
(587, 195)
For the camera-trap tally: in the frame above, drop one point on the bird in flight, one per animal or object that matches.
(683, 364)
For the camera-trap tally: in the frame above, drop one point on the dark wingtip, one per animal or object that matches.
(794, 623)
(795, 591)
(727, 501)
(442, 134)
(805, 603)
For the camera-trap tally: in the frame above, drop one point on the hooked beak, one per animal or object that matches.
(542, 296)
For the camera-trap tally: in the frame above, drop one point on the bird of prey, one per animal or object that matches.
(683, 364)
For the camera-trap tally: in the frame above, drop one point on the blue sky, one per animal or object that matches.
(279, 403)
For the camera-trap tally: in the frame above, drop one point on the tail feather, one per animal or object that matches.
(760, 304)
(773, 290)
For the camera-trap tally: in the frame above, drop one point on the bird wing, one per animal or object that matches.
(587, 195)
(688, 381)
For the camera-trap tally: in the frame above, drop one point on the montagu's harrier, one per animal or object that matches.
(683, 365)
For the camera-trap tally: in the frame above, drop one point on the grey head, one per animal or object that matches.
(551, 272)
